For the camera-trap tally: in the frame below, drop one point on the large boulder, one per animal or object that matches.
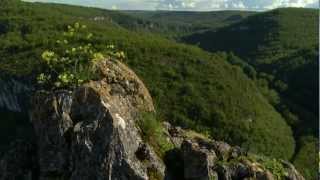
(91, 132)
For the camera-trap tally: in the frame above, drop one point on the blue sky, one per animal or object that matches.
(190, 5)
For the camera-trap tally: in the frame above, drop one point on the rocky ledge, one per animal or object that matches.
(198, 158)
(91, 133)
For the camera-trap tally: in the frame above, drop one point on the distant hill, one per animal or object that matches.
(191, 88)
(282, 47)
(191, 22)
(258, 37)
(282, 43)
(168, 24)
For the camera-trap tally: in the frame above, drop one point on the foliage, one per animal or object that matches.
(307, 158)
(275, 167)
(281, 46)
(153, 132)
(176, 24)
(261, 79)
(74, 60)
(282, 43)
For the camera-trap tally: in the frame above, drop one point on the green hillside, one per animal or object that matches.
(282, 48)
(186, 22)
(258, 37)
(167, 24)
(282, 43)
(190, 87)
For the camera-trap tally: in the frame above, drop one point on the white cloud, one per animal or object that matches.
(199, 5)
(298, 3)
(271, 4)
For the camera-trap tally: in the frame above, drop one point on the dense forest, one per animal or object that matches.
(283, 53)
(182, 23)
(253, 80)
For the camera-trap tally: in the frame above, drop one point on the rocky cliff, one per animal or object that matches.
(92, 133)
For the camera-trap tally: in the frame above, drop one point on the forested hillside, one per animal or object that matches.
(181, 23)
(282, 48)
(215, 93)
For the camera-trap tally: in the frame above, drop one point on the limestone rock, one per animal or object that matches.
(52, 125)
(91, 132)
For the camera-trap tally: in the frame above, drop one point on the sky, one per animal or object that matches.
(189, 5)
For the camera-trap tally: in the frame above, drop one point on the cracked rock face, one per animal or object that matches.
(91, 133)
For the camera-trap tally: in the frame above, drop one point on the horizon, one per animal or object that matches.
(188, 5)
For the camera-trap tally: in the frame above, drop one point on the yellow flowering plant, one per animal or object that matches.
(74, 59)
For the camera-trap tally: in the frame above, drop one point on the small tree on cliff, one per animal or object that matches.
(74, 59)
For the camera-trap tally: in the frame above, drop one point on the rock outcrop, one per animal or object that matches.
(91, 133)
(205, 159)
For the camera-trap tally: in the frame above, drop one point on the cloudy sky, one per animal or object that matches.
(190, 5)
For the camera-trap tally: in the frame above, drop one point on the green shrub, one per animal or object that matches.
(74, 60)
(306, 160)
(275, 167)
(153, 132)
